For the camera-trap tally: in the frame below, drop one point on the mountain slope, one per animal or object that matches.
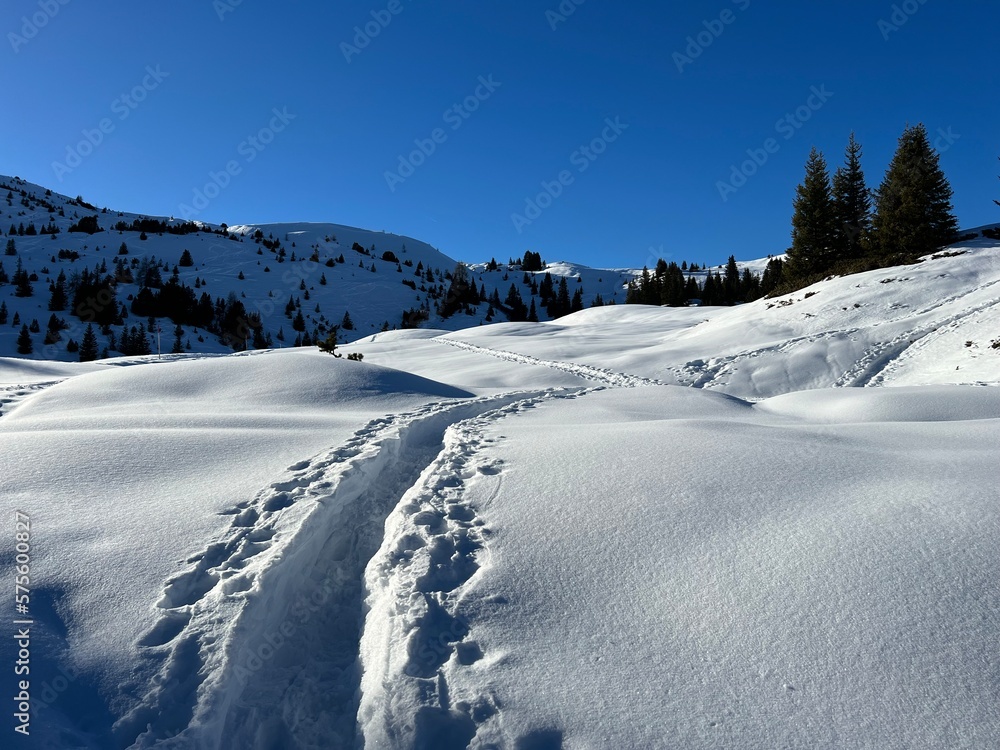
(933, 322)
(277, 262)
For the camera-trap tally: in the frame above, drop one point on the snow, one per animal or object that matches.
(772, 525)
(726, 579)
(375, 299)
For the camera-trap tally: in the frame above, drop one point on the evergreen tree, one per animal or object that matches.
(178, 347)
(186, 260)
(731, 282)
(562, 298)
(24, 344)
(11, 247)
(773, 276)
(3, 313)
(532, 312)
(461, 292)
(88, 347)
(52, 330)
(546, 290)
(347, 324)
(813, 224)
(852, 205)
(57, 302)
(22, 283)
(517, 311)
(329, 344)
(914, 214)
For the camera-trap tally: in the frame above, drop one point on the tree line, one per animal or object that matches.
(839, 226)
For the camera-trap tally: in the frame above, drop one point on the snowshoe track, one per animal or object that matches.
(434, 545)
(604, 377)
(12, 396)
(285, 585)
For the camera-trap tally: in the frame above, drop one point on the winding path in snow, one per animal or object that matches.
(257, 642)
(11, 396)
(906, 347)
(605, 377)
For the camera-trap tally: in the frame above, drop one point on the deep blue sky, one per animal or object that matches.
(654, 190)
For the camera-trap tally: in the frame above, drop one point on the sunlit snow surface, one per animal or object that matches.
(528, 535)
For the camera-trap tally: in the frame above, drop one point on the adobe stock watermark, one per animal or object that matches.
(225, 7)
(122, 106)
(714, 28)
(363, 35)
(656, 254)
(582, 159)
(900, 16)
(454, 117)
(33, 24)
(250, 148)
(562, 12)
(786, 127)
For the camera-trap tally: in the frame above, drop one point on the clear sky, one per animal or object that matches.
(665, 97)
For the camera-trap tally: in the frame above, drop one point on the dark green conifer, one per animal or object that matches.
(852, 205)
(813, 224)
(914, 214)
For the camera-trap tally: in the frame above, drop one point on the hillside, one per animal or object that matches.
(506, 537)
(279, 263)
(934, 322)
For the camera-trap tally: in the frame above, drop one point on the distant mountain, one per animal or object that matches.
(327, 271)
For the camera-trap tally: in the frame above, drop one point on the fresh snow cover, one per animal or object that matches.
(673, 568)
(765, 526)
(130, 473)
(931, 322)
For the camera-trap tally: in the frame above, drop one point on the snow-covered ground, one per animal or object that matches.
(287, 261)
(631, 527)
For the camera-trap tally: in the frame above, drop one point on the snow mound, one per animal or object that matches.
(904, 404)
(286, 381)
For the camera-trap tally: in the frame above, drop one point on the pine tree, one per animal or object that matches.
(57, 302)
(52, 330)
(852, 205)
(813, 226)
(532, 312)
(24, 345)
(11, 247)
(88, 347)
(329, 344)
(178, 347)
(914, 214)
(731, 281)
(3, 313)
(22, 283)
(347, 324)
(186, 259)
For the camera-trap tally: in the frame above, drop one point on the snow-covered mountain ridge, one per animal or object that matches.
(384, 281)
